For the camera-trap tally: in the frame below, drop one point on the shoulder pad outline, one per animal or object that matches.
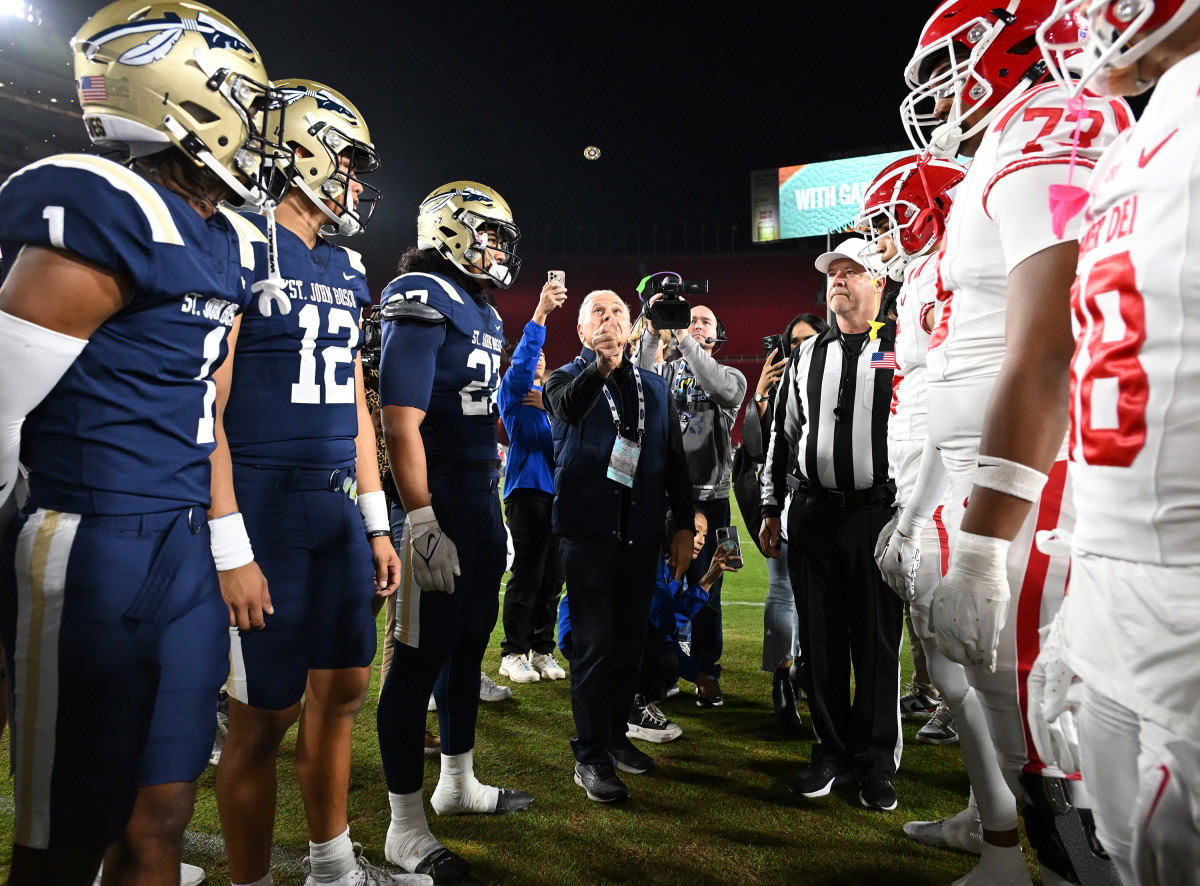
(412, 310)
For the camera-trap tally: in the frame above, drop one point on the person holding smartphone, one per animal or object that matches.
(707, 397)
(781, 653)
(531, 595)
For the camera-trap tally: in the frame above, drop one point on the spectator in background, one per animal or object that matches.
(664, 660)
(531, 595)
(707, 397)
(781, 627)
(619, 459)
(635, 338)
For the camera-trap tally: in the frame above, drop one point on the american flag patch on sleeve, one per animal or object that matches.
(884, 360)
(93, 89)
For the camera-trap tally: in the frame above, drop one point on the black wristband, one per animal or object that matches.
(379, 533)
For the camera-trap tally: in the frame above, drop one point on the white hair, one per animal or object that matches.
(586, 305)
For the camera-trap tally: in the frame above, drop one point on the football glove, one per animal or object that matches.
(970, 605)
(898, 559)
(1054, 701)
(434, 556)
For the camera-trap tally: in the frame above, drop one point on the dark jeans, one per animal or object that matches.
(708, 638)
(853, 618)
(610, 584)
(531, 595)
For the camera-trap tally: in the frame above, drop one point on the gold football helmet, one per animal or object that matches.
(457, 220)
(321, 127)
(152, 74)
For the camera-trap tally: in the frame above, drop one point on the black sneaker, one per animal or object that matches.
(648, 722)
(629, 759)
(600, 782)
(878, 794)
(715, 702)
(817, 781)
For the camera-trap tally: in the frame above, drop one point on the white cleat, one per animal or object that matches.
(962, 831)
(189, 875)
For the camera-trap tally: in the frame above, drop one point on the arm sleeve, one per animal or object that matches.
(518, 380)
(930, 489)
(679, 480)
(571, 399)
(647, 348)
(724, 385)
(408, 363)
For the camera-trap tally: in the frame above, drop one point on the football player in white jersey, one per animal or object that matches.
(905, 210)
(1132, 631)
(975, 81)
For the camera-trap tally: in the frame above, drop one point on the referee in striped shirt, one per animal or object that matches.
(829, 449)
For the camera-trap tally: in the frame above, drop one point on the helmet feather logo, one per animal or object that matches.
(164, 33)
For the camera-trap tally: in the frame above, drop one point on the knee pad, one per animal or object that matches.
(1063, 835)
(1166, 819)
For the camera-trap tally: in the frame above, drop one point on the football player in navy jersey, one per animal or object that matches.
(295, 453)
(438, 379)
(120, 286)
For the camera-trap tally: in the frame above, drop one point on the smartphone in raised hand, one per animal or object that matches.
(727, 538)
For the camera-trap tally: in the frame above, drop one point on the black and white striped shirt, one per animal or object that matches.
(831, 417)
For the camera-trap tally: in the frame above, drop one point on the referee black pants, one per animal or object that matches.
(849, 617)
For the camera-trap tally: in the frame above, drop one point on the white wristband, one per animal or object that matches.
(981, 557)
(372, 507)
(1010, 477)
(229, 542)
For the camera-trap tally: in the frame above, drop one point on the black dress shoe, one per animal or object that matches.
(630, 759)
(784, 697)
(443, 866)
(512, 801)
(817, 781)
(600, 782)
(878, 793)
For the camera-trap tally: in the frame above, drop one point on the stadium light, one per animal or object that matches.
(21, 10)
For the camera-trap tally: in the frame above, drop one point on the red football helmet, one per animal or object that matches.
(909, 204)
(989, 53)
(1107, 40)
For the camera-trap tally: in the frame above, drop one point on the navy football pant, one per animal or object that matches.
(115, 634)
(309, 541)
(434, 629)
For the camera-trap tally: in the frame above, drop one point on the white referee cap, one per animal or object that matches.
(857, 250)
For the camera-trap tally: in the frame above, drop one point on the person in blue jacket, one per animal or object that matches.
(531, 595)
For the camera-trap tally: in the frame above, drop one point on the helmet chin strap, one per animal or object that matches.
(346, 224)
(944, 142)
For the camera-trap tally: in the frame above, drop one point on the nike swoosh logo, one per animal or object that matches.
(348, 276)
(1145, 158)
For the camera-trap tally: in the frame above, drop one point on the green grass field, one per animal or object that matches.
(715, 811)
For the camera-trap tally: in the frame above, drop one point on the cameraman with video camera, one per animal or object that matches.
(707, 398)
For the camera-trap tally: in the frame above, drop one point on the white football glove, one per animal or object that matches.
(434, 556)
(1054, 692)
(970, 605)
(898, 560)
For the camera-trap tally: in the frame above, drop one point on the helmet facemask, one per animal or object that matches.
(471, 226)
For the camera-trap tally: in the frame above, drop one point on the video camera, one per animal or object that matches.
(672, 311)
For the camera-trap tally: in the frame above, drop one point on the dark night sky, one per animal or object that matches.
(683, 103)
